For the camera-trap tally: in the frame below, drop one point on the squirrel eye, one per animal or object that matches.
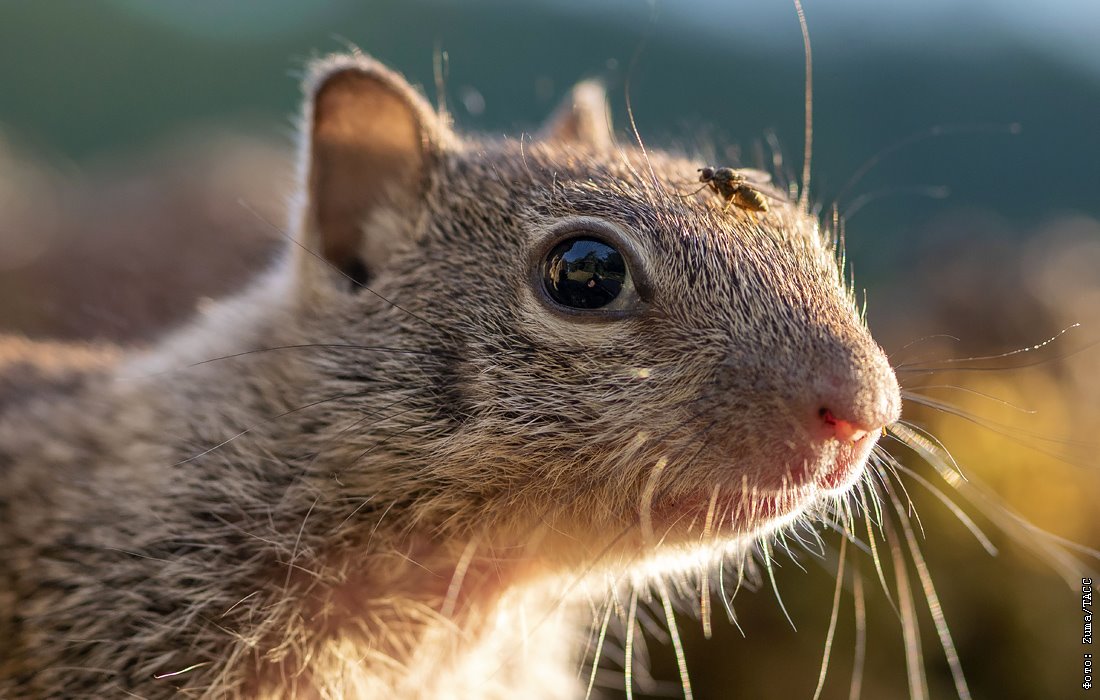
(584, 273)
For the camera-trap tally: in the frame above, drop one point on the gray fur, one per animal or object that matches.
(345, 508)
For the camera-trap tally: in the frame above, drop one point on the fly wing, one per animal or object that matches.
(762, 180)
(754, 176)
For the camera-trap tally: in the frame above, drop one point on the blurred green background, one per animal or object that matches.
(130, 132)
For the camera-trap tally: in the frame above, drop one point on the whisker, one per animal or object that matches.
(384, 441)
(357, 423)
(777, 168)
(911, 391)
(726, 600)
(768, 565)
(651, 625)
(860, 653)
(266, 421)
(589, 638)
(1032, 537)
(848, 517)
(704, 588)
(952, 362)
(817, 548)
(599, 651)
(628, 663)
(958, 512)
(888, 462)
(567, 590)
(925, 338)
(875, 555)
(1027, 534)
(845, 530)
(378, 523)
(781, 536)
(677, 644)
(451, 599)
(808, 105)
(911, 433)
(929, 191)
(916, 137)
(934, 606)
(332, 346)
(910, 627)
(1011, 433)
(362, 504)
(833, 616)
(297, 543)
(650, 488)
(647, 497)
(629, 103)
(874, 514)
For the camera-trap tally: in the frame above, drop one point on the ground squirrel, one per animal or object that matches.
(489, 380)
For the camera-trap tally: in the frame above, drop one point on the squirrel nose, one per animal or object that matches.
(852, 405)
(841, 429)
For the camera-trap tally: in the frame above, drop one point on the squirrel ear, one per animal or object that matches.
(371, 141)
(583, 118)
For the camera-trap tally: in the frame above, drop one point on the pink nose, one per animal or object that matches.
(852, 398)
(843, 430)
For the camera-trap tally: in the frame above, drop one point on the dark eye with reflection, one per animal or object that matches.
(584, 273)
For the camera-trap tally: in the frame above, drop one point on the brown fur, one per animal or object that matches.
(317, 490)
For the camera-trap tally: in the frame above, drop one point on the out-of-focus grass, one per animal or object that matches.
(122, 249)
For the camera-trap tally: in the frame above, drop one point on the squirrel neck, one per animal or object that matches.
(335, 585)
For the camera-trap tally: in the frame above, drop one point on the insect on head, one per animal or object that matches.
(733, 187)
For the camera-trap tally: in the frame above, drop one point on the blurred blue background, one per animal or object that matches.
(84, 79)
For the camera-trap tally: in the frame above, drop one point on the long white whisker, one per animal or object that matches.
(965, 389)
(958, 512)
(451, 599)
(808, 137)
(833, 616)
(628, 663)
(677, 644)
(934, 606)
(909, 434)
(875, 555)
(1005, 430)
(768, 565)
(910, 627)
(860, 653)
(887, 461)
(599, 650)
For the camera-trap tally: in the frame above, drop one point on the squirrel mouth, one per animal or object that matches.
(834, 467)
(847, 467)
(830, 472)
(731, 510)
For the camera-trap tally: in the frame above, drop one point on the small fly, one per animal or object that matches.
(734, 188)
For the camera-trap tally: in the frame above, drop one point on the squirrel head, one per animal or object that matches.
(550, 338)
